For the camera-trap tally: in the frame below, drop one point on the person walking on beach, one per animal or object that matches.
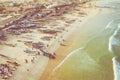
(26, 61)
(114, 47)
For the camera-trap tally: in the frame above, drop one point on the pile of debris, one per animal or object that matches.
(30, 51)
(24, 25)
(49, 31)
(60, 9)
(39, 12)
(13, 32)
(2, 36)
(49, 55)
(38, 45)
(2, 9)
(18, 32)
(46, 38)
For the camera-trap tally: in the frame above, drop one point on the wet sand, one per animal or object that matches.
(71, 42)
(19, 48)
(94, 61)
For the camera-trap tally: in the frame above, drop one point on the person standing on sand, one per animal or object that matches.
(114, 47)
(26, 61)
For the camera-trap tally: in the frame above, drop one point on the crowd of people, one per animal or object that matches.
(6, 70)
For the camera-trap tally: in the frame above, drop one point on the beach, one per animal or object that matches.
(66, 41)
(92, 60)
(32, 54)
(71, 42)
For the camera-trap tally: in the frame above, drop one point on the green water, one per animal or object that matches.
(93, 61)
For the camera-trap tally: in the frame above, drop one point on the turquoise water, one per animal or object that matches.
(93, 61)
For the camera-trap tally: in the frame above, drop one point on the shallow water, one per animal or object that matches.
(94, 60)
(109, 3)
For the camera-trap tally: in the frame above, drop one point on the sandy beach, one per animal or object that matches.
(71, 42)
(92, 61)
(57, 37)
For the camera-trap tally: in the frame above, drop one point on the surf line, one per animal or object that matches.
(71, 53)
(86, 44)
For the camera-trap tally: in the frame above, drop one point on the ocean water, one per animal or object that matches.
(93, 61)
(109, 3)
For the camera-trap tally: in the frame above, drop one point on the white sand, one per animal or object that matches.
(32, 71)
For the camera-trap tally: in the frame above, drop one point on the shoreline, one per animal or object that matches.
(20, 48)
(70, 44)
